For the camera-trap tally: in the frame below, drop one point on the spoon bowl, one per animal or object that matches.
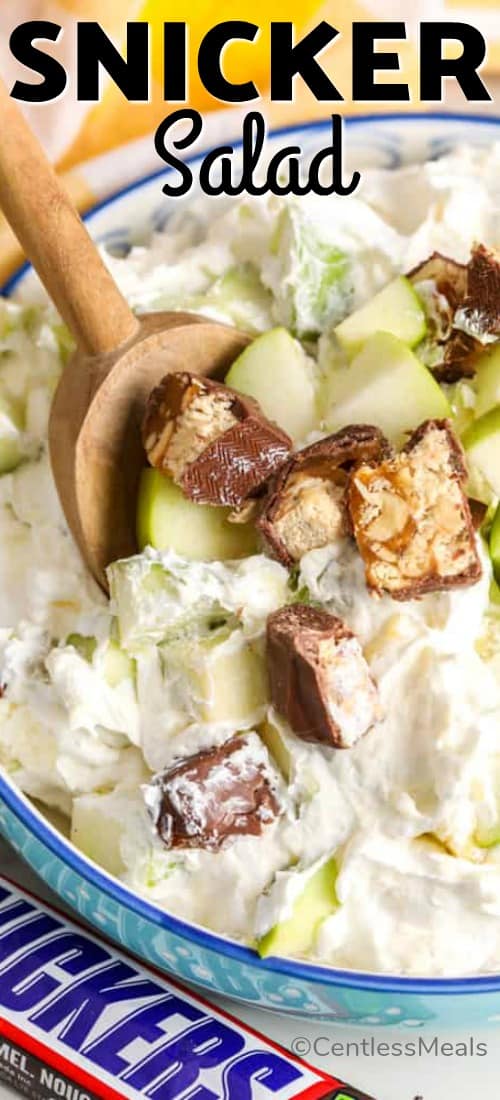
(94, 431)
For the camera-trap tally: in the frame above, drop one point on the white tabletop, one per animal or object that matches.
(385, 1077)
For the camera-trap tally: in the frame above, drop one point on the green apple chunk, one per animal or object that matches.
(385, 385)
(275, 739)
(276, 371)
(232, 684)
(487, 832)
(84, 644)
(482, 444)
(173, 598)
(494, 544)
(223, 675)
(12, 442)
(487, 380)
(296, 934)
(167, 520)
(118, 666)
(97, 826)
(240, 294)
(309, 274)
(11, 454)
(396, 309)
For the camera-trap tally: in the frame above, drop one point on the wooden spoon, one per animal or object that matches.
(94, 430)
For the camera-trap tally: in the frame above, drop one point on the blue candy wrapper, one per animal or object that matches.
(81, 1021)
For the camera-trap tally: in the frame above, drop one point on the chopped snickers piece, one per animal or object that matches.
(448, 276)
(442, 284)
(319, 679)
(305, 507)
(460, 354)
(216, 444)
(209, 799)
(412, 520)
(480, 314)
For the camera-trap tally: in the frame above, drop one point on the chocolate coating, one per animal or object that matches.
(216, 795)
(326, 461)
(319, 679)
(214, 442)
(236, 466)
(482, 303)
(458, 350)
(449, 275)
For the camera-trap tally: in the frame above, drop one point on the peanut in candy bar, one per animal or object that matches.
(412, 520)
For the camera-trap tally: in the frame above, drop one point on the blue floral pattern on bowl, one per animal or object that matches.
(189, 952)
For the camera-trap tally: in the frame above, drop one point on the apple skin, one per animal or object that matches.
(385, 385)
(275, 370)
(487, 380)
(167, 520)
(396, 309)
(11, 440)
(482, 444)
(494, 544)
(317, 901)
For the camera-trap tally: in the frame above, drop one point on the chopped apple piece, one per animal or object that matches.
(487, 832)
(276, 371)
(159, 598)
(84, 644)
(487, 380)
(97, 827)
(118, 666)
(224, 677)
(12, 440)
(275, 738)
(494, 544)
(240, 295)
(318, 900)
(396, 309)
(385, 385)
(167, 520)
(482, 444)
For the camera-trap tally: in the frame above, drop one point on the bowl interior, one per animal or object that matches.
(132, 216)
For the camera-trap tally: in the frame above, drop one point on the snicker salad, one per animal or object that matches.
(284, 724)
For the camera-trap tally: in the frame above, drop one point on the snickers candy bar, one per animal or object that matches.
(123, 1031)
(209, 799)
(216, 444)
(480, 315)
(305, 506)
(448, 277)
(442, 284)
(459, 360)
(319, 679)
(412, 520)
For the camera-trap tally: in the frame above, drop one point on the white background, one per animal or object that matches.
(385, 1078)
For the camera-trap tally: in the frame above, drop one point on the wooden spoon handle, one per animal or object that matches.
(56, 241)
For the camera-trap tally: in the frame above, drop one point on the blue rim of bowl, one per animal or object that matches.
(117, 891)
